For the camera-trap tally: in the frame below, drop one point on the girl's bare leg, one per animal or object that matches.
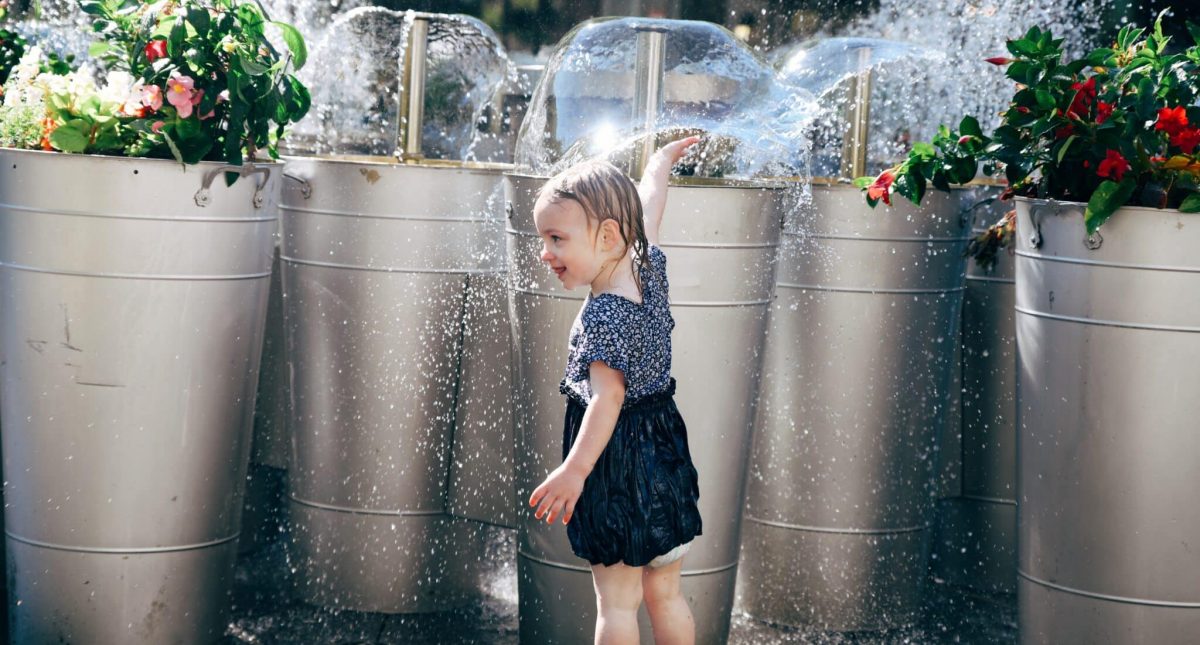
(618, 596)
(669, 612)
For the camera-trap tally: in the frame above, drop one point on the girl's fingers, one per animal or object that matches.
(554, 510)
(568, 512)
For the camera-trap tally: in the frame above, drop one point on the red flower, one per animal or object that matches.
(999, 60)
(1022, 109)
(1064, 131)
(1085, 94)
(965, 139)
(1186, 140)
(1103, 111)
(156, 49)
(1171, 120)
(1114, 166)
(882, 188)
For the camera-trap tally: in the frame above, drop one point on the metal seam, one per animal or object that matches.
(983, 278)
(402, 218)
(824, 529)
(119, 550)
(136, 276)
(820, 287)
(1111, 598)
(69, 213)
(730, 303)
(1098, 322)
(363, 511)
(1113, 265)
(570, 567)
(859, 238)
(351, 267)
(990, 500)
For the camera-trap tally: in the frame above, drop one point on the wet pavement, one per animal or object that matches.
(264, 611)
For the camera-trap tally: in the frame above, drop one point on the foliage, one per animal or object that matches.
(1116, 127)
(189, 79)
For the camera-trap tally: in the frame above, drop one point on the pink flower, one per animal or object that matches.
(152, 97)
(156, 126)
(882, 188)
(180, 94)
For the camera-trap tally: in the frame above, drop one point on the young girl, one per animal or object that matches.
(627, 489)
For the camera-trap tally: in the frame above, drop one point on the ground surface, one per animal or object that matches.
(263, 612)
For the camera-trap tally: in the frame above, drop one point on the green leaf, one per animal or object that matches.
(969, 126)
(923, 150)
(171, 144)
(1191, 203)
(199, 18)
(1109, 196)
(70, 137)
(98, 48)
(1062, 152)
(252, 67)
(1194, 30)
(1044, 99)
(294, 41)
(863, 182)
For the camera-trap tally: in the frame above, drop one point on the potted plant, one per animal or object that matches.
(134, 416)
(1102, 154)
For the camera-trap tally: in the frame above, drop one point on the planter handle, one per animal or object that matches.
(1093, 241)
(305, 187)
(203, 196)
(964, 216)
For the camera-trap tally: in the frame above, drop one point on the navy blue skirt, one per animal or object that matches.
(640, 500)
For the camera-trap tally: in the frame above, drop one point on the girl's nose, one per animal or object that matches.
(546, 257)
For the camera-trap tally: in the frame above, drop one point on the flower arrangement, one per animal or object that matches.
(185, 79)
(1116, 127)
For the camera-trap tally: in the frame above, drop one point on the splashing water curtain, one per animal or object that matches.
(974, 544)
(133, 317)
(397, 341)
(720, 236)
(859, 358)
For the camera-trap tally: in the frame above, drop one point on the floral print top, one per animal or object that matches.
(627, 336)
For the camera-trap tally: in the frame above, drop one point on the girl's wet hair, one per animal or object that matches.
(604, 192)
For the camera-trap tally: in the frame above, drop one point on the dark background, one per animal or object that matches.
(530, 25)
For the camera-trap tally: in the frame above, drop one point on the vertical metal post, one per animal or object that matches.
(854, 149)
(648, 91)
(412, 91)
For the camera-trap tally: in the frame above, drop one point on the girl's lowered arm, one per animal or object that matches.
(653, 187)
(561, 490)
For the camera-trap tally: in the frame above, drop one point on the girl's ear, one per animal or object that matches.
(610, 233)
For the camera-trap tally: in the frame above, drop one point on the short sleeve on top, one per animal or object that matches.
(601, 341)
(658, 270)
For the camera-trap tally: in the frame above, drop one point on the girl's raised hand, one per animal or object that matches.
(558, 494)
(653, 187)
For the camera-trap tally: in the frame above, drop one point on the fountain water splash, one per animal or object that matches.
(355, 81)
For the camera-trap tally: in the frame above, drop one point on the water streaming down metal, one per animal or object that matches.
(133, 318)
(858, 362)
(720, 238)
(1108, 337)
(384, 266)
(975, 543)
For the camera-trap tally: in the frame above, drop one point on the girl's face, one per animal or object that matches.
(573, 250)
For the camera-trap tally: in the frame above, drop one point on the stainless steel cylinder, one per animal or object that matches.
(858, 360)
(1108, 339)
(721, 241)
(975, 541)
(376, 263)
(133, 307)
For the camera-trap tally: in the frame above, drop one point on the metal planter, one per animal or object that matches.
(1108, 337)
(859, 357)
(134, 295)
(383, 269)
(721, 242)
(975, 542)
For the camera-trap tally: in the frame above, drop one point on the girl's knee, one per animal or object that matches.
(627, 599)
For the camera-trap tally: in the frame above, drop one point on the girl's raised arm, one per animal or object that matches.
(653, 187)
